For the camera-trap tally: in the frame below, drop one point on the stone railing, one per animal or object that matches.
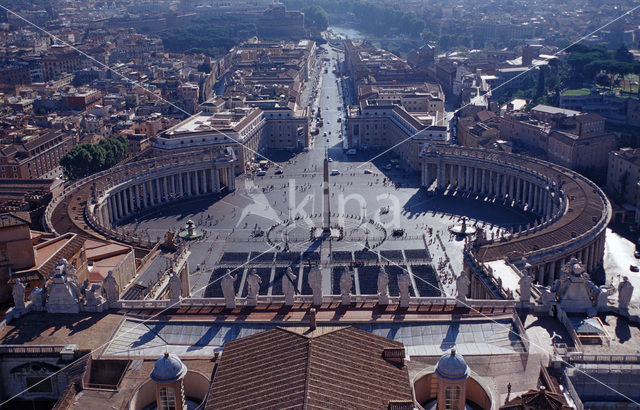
(32, 349)
(579, 357)
(497, 306)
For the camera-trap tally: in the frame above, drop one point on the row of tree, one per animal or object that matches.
(596, 63)
(86, 159)
(372, 18)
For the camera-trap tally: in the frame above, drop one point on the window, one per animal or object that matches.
(167, 398)
(452, 398)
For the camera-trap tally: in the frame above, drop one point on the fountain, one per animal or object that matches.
(190, 232)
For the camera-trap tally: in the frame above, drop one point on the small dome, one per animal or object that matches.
(168, 368)
(452, 366)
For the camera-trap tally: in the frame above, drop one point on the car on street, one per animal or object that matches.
(634, 268)
(261, 173)
(368, 171)
(278, 172)
(330, 159)
(637, 254)
(388, 167)
(335, 172)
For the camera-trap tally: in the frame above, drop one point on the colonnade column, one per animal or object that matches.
(145, 195)
(204, 181)
(131, 202)
(475, 180)
(118, 205)
(467, 180)
(216, 179)
(158, 198)
(110, 209)
(505, 177)
(484, 182)
(530, 197)
(164, 187)
(511, 182)
(189, 192)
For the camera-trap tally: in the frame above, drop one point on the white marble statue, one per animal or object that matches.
(63, 296)
(175, 287)
(91, 297)
(18, 295)
(404, 283)
(289, 287)
(462, 286)
(383, 288)
(253, 286)
(525, 287)
(228, 289)
(315, 283)
(625, 291)
(110, 287)
(346, 283)
(37, 298)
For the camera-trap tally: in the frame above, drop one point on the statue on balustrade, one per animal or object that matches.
(462, 286)
(346, 283)
(289, 286)
(228, 289)
(110, 288)
(625, 291)
(18, 294)
(91, 297)
(175, 287)
(525, 287)
(64, 291)
(315, 283)
(404, 283)
(253, 286)
(37, 298)
(383, 288)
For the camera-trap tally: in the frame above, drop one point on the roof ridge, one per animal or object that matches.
(307, 373)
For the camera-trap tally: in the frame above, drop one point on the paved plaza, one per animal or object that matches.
(273, 221)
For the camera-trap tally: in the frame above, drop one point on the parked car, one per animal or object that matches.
(278, 171)
(367, 171)
(634, 268)
(261, 173)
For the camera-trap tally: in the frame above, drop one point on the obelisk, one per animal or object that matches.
(326, 220)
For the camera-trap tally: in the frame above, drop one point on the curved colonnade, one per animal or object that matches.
(572, 212)
(124, 190)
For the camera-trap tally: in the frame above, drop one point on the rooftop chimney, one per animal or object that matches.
(394, 355)
(312, 318)
(400, 405)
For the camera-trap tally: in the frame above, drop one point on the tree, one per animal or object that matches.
(204, 68)
(622, 54)
(86, 159)
(602, 79)
(316, 17)
(540, 85)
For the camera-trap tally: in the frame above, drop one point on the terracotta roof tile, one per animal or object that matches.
(339, 369)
